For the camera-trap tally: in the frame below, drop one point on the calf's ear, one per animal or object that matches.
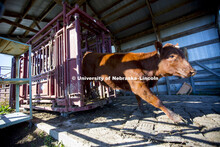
(158, 46)
(177, 45)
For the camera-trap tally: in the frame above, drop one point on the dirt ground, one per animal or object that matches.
(122, 124)
(22, 135)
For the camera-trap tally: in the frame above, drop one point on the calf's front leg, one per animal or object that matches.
(140, 89)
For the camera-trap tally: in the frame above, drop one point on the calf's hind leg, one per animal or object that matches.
(140, 89)
(140, 104)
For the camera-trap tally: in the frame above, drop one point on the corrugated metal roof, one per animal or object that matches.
(15, 5)
(38, 7)
(54, 12)
(163, 11)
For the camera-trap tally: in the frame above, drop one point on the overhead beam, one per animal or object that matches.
(42, 16)
(165, 25)
(19, 15)
(17, 25)
(36, 23)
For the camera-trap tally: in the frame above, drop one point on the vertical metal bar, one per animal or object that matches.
(107, 92)
(43, 59)
(100, 90)
(193, 85)
(25, 74)
(17, 85)
(103, 89)
(56, 66)
(41, 63)
(97, 41)
(115, 95)
(109, 45)
(79, 54)
(46, 47)
(168, 85)
(32, 57)
(30, 82)
(34, 60)
(12, 87)
(50, 49)
(36, 63)
(65, 55)
(103, 43)
(50, 84)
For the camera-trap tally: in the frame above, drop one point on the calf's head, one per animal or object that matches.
(172, 61)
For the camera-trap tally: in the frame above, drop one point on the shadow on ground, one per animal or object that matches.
(122, 124)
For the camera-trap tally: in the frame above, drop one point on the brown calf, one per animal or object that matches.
(167, 60)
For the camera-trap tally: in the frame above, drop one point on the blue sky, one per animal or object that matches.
(5, 60)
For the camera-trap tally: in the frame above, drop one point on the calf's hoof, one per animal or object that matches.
(175, 117)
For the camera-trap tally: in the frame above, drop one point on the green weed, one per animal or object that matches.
(5, 109)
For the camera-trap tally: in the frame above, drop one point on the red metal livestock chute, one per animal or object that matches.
(57, 52)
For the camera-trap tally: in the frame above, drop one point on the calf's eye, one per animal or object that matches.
(171, 56)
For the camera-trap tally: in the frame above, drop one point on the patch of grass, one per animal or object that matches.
(49, 142)
(60, 144)
(5, 109)
(42, 134)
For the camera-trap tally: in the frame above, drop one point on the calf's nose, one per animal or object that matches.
(192, 72)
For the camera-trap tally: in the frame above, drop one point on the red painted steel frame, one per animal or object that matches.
(57, 52)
